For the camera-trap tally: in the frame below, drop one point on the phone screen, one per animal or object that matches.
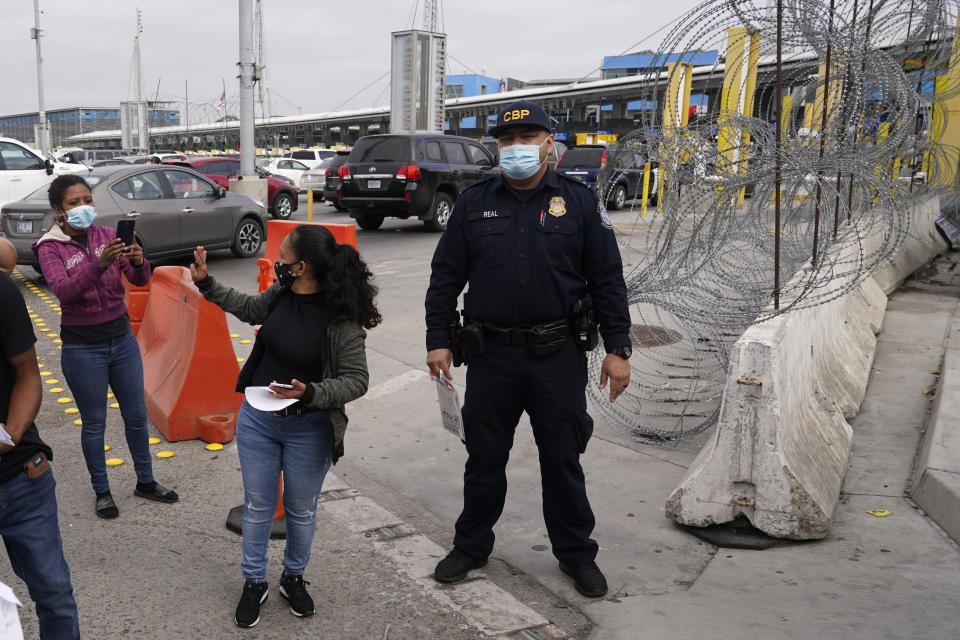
(125, 231)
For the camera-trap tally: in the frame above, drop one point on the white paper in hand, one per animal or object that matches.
(5, 437)
(449, 406)
(263, 399)
(9, 615)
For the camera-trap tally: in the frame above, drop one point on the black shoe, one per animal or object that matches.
(248, 611)
(105, 507)
(294, 591)
(588, 579)
(455, 566)
(156, 491)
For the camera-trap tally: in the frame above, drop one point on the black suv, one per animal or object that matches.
(410, 175)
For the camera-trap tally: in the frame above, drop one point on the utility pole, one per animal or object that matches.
(43, 132)
(246, 64)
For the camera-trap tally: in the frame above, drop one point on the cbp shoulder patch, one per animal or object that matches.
(604, 218)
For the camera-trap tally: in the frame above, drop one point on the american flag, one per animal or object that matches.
(503, 85)
(222, 102)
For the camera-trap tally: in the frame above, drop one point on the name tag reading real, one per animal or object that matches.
(449, 401)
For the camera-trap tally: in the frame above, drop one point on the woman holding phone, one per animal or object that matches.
(84, 265)
(310, 348)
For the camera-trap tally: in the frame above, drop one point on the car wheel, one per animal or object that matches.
(442, 210)
(618, 198)
(282, 206)
(336, 205)
(247, 239)
(369, 222)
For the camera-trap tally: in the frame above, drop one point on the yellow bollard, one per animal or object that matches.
(310, 204)
(645, 194)
(660, 183)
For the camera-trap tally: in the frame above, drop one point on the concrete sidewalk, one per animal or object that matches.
(173, 571)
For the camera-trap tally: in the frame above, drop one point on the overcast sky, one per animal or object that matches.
(319, 53)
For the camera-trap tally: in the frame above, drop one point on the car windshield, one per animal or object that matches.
(381, 149)
(585, 157)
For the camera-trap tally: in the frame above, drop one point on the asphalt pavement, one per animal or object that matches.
(387, 513)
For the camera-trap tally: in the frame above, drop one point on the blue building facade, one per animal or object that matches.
(467, 86)
(74, 121)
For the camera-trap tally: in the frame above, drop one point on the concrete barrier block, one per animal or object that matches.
(780, 448)
(922, 244)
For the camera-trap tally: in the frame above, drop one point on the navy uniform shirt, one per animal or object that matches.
(527, 256)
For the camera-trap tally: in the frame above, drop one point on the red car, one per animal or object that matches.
(282, 197)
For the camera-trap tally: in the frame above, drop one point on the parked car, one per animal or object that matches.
(411, 175)
(290, 168)
(175, 209)
(325, 181)
(310, 157)
(558, 150)
(169, 157)
(282, 198)
(586, 161)
(112, 162)
(24, 169)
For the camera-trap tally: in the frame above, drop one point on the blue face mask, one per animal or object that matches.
(81, 217)
(520, 161)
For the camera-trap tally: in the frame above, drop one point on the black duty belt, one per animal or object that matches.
(530, 336)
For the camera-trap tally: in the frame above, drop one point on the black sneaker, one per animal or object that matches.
(248, 611)
(455, 566)
(293, 589)
(588, 579)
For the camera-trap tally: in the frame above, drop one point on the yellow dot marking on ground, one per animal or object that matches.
(78, 421)
(164, 454)
(72, 410)
(45, 373)
(115, 405)
(234, 335)
(113, 462)
(154, 440)
(44, 330)
(56, 390)
(109, 395)
(106, 447)
(64, 400)
(51, 381)
(58, 341)
(33, 315)
(246, 341)
(40, 365)
(214, 446)
(239, 359)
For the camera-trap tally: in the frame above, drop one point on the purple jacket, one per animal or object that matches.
(88, 294)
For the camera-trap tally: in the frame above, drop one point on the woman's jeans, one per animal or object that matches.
(88, 369)
(300, 447)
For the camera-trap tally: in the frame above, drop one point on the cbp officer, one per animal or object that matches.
(530, 243)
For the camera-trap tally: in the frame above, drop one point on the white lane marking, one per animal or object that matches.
(395, 384)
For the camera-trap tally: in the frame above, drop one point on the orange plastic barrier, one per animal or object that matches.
(189, 366)
(136, 301)
(277, 230)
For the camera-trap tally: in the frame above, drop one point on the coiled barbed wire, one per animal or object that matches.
(858, 153)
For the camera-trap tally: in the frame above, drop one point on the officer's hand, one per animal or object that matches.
(618, 371)
(439, 360)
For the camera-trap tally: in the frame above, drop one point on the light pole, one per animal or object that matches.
(43, 134)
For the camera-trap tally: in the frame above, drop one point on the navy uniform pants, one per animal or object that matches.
(501, 384)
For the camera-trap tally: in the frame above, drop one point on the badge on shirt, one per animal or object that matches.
(558, 206)
(604, 218)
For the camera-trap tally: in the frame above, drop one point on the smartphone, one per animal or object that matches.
(280, 385)
(125, 231)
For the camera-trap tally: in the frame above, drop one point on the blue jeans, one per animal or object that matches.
(300, 447)
(89, 368)
(31, 534)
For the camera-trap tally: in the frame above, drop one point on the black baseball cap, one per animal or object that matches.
(521, 113)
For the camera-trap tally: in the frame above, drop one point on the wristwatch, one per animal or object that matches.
(623, 352)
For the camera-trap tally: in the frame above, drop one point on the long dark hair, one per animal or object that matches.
(59, 186)
(343, 276)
